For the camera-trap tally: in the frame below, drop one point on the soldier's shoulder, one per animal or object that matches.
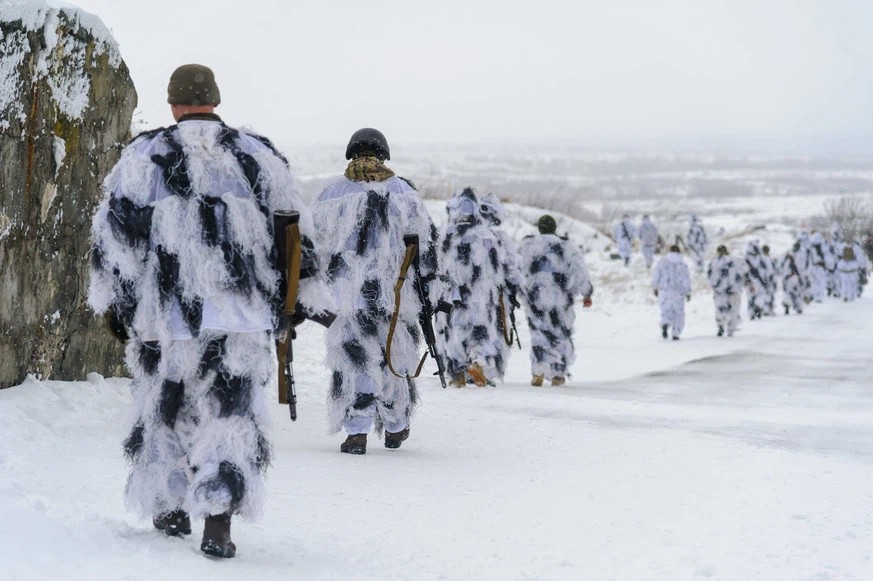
(144, 137)
(260, 142)
(408, 182)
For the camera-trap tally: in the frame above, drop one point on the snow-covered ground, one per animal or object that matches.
(742, 458)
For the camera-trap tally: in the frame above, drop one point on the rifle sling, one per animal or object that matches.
(411, 250)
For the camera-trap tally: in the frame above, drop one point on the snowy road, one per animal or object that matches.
(748, 458)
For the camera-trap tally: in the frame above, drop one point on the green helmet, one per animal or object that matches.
(547, 225)
(193, 85)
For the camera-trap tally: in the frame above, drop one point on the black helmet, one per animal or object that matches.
(368, 140)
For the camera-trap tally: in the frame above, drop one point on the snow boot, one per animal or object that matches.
(720, 331)
(477, 375)
(537, 381)
(216, 537)
(787, 309)
(675, 338)
(174, 523)
(459, 380)
(355, 444)
(394, 439)
(664, 331)
(557, 381)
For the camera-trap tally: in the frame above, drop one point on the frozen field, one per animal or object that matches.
(742, 458)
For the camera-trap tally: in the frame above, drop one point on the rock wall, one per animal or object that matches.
(66, 102)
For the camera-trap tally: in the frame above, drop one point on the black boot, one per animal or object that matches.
(787, 309)
(394, 439)
(356, 444)
(664, 331)
(174, 523)
(216, 537)
(720, 331)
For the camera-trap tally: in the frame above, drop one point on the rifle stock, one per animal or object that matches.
(286, 228)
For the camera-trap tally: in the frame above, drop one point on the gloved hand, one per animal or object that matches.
(587, 302)
(513, 300)
(688, 298)
(656, 292)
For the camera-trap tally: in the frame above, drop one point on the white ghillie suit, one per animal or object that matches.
(555, 275)
(804, 255)
(863, 266)
(791, 268)
(849, 270)
(624, 234)
(493, 214)
(472, 259)
(183, 254)
(363, 249)
(648, 240)
(835, 249)
(821, 260)
(726, 279)
(771, 271)
(672, 281)
(758, 280)
(697, 242)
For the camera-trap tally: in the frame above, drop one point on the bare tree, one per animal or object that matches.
(853, 215)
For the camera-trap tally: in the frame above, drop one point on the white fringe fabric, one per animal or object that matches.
(476, 263)
(182, 252)
(363, 249)
(198, 440)
(725, 276)
(556, 273)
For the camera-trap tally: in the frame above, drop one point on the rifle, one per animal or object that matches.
(411, 258)
(289, 252)
(510, 333)
(514, 330)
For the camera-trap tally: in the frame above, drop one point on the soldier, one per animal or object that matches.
(182, 263)
(556, 274)
(726, 279)
(648, 240)
(791, 268)
(768, 267)
(756, 281)
(672, 284)
(863, 265)
(697, 241)
(849, 269)
(803, 258)
(473, 260)
(494, 214)
(834, 247)
(370, 210)
(821, 260)
(624, 235)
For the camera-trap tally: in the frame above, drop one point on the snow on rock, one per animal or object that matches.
(61, 59)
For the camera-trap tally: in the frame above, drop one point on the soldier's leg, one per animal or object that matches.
(159, 474)
(397, 397)
(229, 450)
(678, 316)
(354, 358)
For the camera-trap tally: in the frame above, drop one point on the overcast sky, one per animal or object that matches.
(766, 75)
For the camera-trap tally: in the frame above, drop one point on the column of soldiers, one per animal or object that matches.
(205, 261)
(814, 267)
